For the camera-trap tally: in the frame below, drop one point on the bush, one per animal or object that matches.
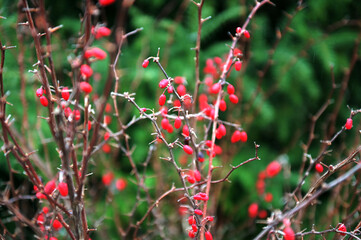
(131, 119)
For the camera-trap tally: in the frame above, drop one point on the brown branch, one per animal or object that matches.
(307, 201)
(197, 49)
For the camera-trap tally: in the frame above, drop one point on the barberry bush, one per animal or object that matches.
(180, 119)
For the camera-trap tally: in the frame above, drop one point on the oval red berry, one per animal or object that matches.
(63, 189)
(238, 65)
(177, 123)
(208, 236)
(145, 63)
(230, 89)
(65, 93)
(348, 124)
(44, 101)
(246, 34)
(162, 99)
(233, 98)
(50, 187)
(319, 168)
(39, 92)
(187, 149)
(86, 70)
(85, 87)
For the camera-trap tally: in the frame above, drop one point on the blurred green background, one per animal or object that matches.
(318, 37)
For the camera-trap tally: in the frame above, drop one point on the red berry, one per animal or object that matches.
(236, 136)
(273, 169)
(39, 92)
(230, 89)
(107, 119)
(342, 228)
(85, 87)
(162, 100)
(348, 124)
(163, 83)
(262, 214)
(40, 219)
(44, 101)
(218, 60)
(164, 111)
(208, 81)
(57, 224)
(204, 196)
(181, 90)
(200, 157)
(182, 210)
(289, 234)
(53, 238)
(246, 34)
(218, 150)
(243, 136)
(239, 30)
(170, 128)
(194, 228)
(191, 220)
(77, 115)
(104, 3)
(65, 94)
(108, 108)
(209, 143)
(120, 184)
(107, 178)
(170, 89)
(179, 80)
(177, 123)
(98, 53)
(191, 234)
(45, 210)
(198, 212)
(191, 179)
(233, 98)
(222, 105)
(50, 187)
(39, 195)
(187, 149)
(106, 136)
(253, 210)
(237, 52)
(197, 197)
(210, 218)
(222, 130)
(164, 123)
(268, 197)
(185, 130)
(208, 236)
(88, 53)
(319, 168)
(106, 148)
(101, 32)
(215, 88)
(86, 70)
(67, 112)
(197, 175)
(238, 65)
(63, 189)
(145, 63)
